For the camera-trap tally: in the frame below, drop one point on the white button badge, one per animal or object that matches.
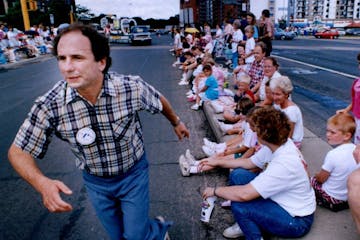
(85, 136)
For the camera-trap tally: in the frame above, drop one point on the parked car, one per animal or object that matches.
(330, 33)
(140, 34)
(341, 31)
(352, 31)
(283, 35)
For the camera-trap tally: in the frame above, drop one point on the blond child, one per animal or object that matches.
(249, 45)
(243, 88)
(330, 182)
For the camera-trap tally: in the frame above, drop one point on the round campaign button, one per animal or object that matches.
(85, 136)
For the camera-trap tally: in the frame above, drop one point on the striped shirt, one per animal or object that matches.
(117, 142)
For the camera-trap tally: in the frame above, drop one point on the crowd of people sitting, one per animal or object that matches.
(16, 45)
(266, 132)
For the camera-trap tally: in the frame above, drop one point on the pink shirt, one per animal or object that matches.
(355, 94)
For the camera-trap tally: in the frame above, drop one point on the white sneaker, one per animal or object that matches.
(209, 143)
(195, 107)
(189, 93)
(184, 166)
(207, 208)
(191, 159)
(208, 151)
(233, 232)
(183, 82)
(220, 147)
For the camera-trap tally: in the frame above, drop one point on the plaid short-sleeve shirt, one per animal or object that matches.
(117, 142)
(256, 72)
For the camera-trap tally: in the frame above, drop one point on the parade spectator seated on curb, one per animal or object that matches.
(243, 89)
(240, 130)
(241, 69)
(187, 68)
(210, 91)
(281, 89)
(278, 201)
(330, 182)
(353, 186)
(256, 70)
(264, 96)
(241, 145)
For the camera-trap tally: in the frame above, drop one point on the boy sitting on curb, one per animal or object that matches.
(330, 183)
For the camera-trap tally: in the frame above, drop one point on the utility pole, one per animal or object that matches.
(25, 14)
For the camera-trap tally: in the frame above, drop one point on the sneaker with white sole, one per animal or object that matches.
(233, 232)
(191, 98)
(195, 107)
(209, 143)
(207, 208)
(190, 92)
(183, 82)
(184, 166)
(220, 147)
(208, 151)
(191, 159)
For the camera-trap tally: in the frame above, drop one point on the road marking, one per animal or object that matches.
(303, 71)
(315, 66)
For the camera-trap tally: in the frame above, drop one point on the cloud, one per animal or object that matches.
(158, 9)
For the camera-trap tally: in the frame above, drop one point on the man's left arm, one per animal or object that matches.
(179, 127)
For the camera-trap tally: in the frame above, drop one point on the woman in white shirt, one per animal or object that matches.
(280, 200)
(281, 89)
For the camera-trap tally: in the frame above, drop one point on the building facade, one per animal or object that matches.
(198, 12)
(214, 12)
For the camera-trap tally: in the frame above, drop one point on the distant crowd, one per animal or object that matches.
(16, 45)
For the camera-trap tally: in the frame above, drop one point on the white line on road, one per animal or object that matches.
(315, 66)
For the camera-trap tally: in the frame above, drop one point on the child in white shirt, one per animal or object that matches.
(330, 182)
(249, 45)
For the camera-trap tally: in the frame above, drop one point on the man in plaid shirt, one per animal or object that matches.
(97, 114)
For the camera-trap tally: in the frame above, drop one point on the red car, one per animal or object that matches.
(331, 34)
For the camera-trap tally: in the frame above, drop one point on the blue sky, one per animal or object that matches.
(158, 9)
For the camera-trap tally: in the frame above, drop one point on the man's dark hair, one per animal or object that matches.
(207, 67)
(99, 43)
(266, 13)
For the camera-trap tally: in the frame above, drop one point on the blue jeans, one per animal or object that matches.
(122, 204)
(265, 215)
(235, 59)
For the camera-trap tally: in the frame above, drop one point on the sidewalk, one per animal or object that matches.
(25, 61)
(327, 225)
